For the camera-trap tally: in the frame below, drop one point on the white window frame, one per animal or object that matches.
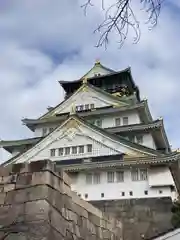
(89, 178)
(125, 121)
(96, 178)
(141, 174)
(110, 177)
(60, 151)
(89, 145)
(139, 139)
(81, 147)
(116, 120)
(53, 152)
(121, 173)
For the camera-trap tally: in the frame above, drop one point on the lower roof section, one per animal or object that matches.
(12, 145)
(115, 161)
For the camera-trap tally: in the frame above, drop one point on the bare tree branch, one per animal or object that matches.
(120, 18)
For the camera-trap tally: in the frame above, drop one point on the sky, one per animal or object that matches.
(44, 41)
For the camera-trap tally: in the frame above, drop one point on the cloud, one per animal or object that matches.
(43, 42)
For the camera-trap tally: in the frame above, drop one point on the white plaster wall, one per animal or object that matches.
(38, 132)
(160, 176)
(114, 190)
(173, 235)
(109, 121)
(86, 96)
(15, 152)
(148, 141)
(39, 129)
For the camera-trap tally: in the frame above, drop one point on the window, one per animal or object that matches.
(125, 120)
(143, 174)
(110, 177)
(51, 129)
(92, 105)
(131, 193)
(123, 194)
(86, 106)
(44, 131)
(61, 151)
(139, 139)
(99, 123)
(96, 178)
(79, 195)
(74, 150)
(131, 138)
(102, 195)
(160, 191)
(81, 149)
(89, 178)
(134, 175)
(53, 152)
(139, 174)
(67, 150)
(117, 122)
(86, 195)
(120, 176)
(89, 148)
(146, 192)
(81, 107)
(77, 108)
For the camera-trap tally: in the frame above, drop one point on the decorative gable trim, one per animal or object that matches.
(86, 87)
(70, 127)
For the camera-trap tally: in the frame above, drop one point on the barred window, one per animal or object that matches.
(89, 178)
(51, 129)
(74, 150)
(125, 120)
(44, 131)
(120, 176)
(61, 151)
(86, 106)
(117, 122)
(81, 149)
(89, 148)
(52, 152)
(96, 178)
(92, 105)
(67, 150)
(139, 139)
(99, 122)
(110, 177)
(81, 107)
(134, 175)
(143, 174)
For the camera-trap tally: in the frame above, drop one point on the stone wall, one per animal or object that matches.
(37, 203)
(141, 218)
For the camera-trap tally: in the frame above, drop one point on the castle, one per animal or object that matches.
(104, 136)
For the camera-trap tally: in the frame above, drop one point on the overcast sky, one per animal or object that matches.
(44, 41)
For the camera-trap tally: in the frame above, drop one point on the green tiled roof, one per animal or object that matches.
(11, 144)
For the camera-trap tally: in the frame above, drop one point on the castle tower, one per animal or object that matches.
(104, 136)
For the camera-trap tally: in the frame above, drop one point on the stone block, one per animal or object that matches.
(23, 180)
(5, 170)
(37, 210)
(9, 187)
(58, 222)
(38, 192)
(2, 198)
(41, 178)
(41, 165)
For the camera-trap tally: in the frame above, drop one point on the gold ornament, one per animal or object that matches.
(85, 80)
